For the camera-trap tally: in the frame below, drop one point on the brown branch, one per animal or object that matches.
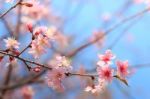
(7, 26)
(92, 76)
(29, 68)
(74, 52)
(22, 82)
(27, 61)
(2, 15)
(123, 33)
(17, 30)
(6, 80)
(25, 49)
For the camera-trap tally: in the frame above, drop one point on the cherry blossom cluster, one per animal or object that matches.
(60, 66)
(12, 46)
(106, 73)
(35, 13)
(42, 36)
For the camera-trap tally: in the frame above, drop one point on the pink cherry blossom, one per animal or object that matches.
(97, 88)
(27, 92)
(95, 36)
(106, 58)
(51, 31)
(105, 73)
(42, 41)
(60, 62)
(106, 16)
(62, 40)
(11, 43)
(36, 50)
(93, 89)
(122, 68)
(54, 79)
(60, 65)
(37, 69)
(39, 30)
(37, 11)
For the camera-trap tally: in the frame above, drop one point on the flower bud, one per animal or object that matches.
(30, 27)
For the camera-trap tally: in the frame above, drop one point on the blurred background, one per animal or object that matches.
(80, 21)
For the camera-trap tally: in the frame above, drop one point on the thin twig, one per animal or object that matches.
(2, 15)
(74, 52)
(22, 82)
(22, 59)
(6, 80)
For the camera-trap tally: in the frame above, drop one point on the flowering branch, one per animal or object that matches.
(74, 52)
(24, 60)
(105, 72)
(60, 66)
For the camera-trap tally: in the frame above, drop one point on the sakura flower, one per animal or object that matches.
(122, 68)
(37, 69)
(11, 43)
(51, 31)
(62, 39)
(42, 41)
(54, 79)
(27, 92)
(60, 65)
(106, 16)
(105, 73)
(62, 61)
(39, 30)
(95, 36)
(37, 11)
(36, 50)
(96, 88)
(92, 89)
(106, 58)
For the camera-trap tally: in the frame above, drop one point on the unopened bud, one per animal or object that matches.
(27, 4)
(30, 27)
(37, 69)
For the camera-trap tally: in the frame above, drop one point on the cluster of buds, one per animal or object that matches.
(41, 39)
